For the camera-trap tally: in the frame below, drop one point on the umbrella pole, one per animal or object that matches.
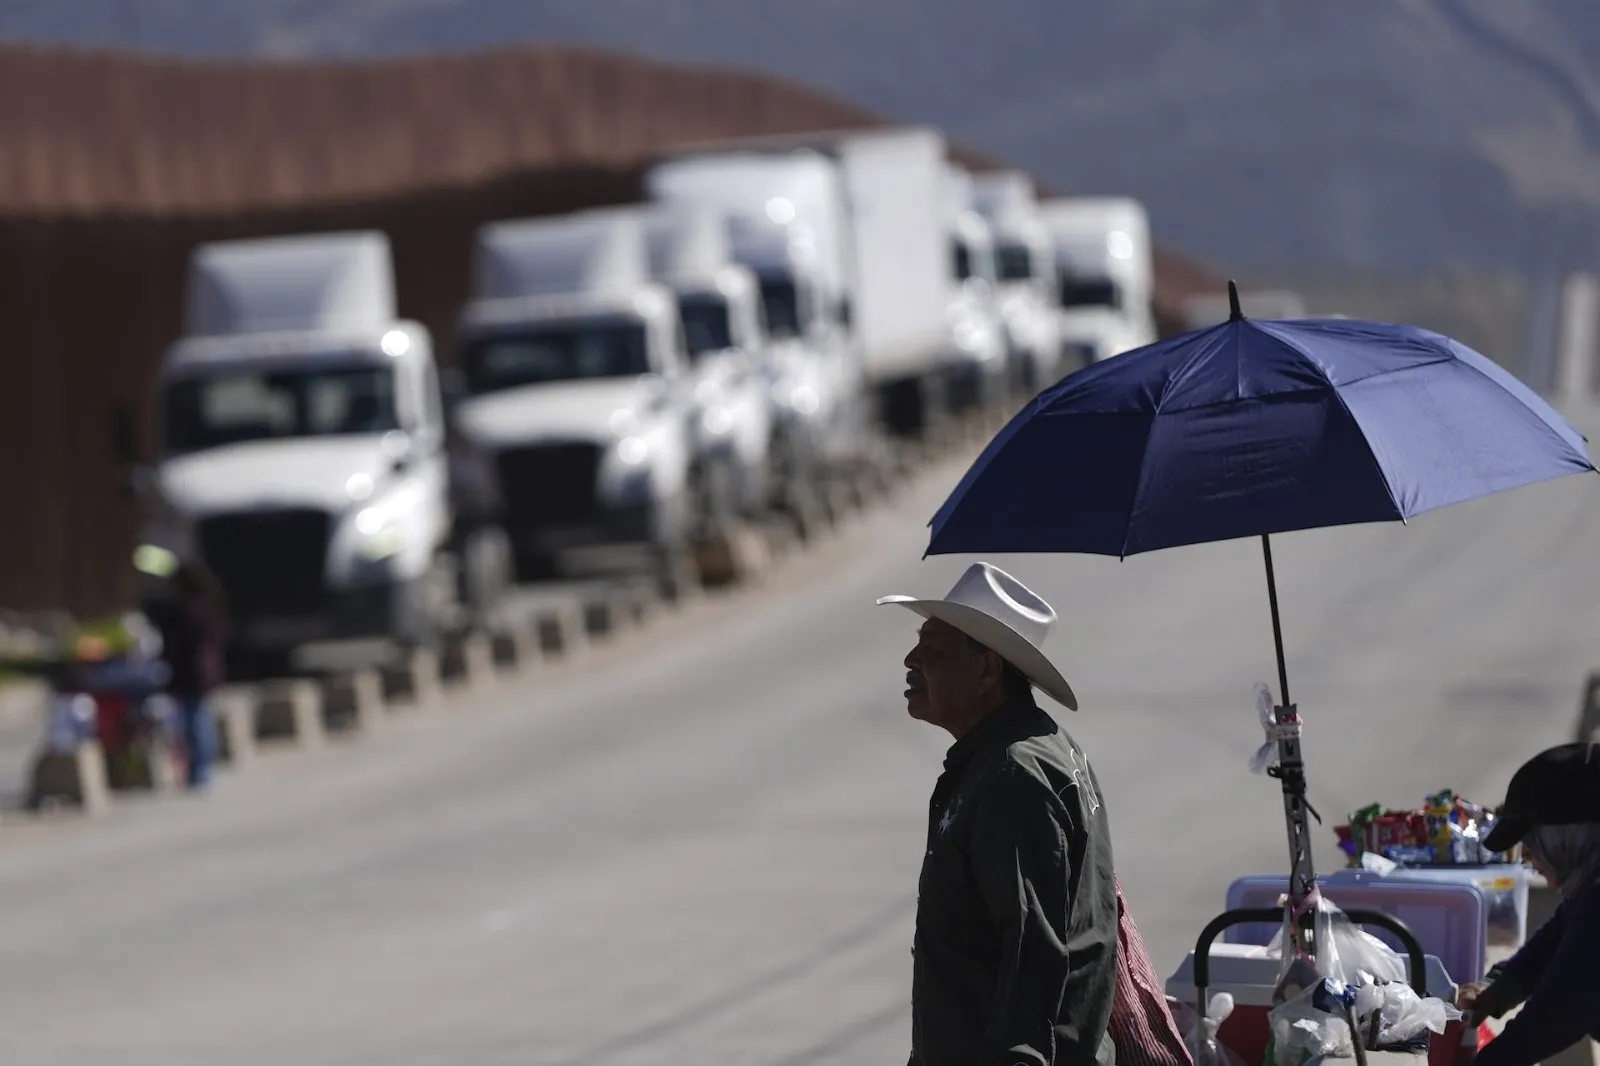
(1290, 770)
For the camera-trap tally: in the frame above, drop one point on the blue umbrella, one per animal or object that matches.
(1251, 428)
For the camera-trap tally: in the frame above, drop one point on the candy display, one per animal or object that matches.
(1445, 830)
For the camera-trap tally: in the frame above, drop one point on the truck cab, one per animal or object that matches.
(785, 221)
(1105, 270)
(978, 364)
(1026, 276)
(719, 304)
(302, 453)
(574, 379)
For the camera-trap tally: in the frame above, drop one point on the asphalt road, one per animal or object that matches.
(701, 846)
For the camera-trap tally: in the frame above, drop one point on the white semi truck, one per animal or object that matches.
(1027, 283)
(978, 334)
(574, 377)
(870, 213)
(1107, 276)
(719, 303)
(785, 218)
(302, 455)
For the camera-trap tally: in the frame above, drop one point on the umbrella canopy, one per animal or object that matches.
(1254, 427)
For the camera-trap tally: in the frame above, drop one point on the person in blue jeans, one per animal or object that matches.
(1553, 809)
(189, 619)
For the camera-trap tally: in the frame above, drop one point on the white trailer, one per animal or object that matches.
(302, 454)
(574, 378)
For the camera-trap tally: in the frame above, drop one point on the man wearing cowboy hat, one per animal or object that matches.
(1015, 954)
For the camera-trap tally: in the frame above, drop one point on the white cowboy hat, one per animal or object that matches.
(1005, 616)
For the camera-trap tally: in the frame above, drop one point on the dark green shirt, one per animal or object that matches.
(1015, 958)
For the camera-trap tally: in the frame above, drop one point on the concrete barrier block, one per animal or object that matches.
(514, 648)
(679, 583)
(235, 709)
(413, 679)
(24, 704)
(77, 776)
(781, 539)
(561, 630)
(743, 554)
(600, 616)
(291, 711)
(466, 660)
(637, 601)
(353, 701)
(842, 500)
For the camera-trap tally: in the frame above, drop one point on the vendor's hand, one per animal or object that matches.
(1474, 1002)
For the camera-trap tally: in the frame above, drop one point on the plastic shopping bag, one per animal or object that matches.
(1344, 951)
(1407, 1018)
(1200, 1034)
(1312, 1025)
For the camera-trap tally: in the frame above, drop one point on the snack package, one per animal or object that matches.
(1445, 830)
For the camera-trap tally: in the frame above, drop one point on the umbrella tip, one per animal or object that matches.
(1234, 314)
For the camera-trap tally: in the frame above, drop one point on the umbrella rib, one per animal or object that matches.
(1138, 482)
(1161, 401)
(1546, 426)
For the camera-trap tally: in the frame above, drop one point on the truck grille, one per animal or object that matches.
(268, 561)
(550, 484)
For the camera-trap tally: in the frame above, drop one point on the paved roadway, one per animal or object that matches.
(701, 846)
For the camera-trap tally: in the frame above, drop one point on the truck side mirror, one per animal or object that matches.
(125, 435)
(845, 311)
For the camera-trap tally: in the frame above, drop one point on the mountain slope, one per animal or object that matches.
(1399, 134)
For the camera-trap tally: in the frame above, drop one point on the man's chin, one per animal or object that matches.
(917, 706)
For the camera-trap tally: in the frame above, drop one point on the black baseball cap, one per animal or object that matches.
(1558, 786)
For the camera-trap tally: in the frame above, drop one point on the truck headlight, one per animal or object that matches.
(802, 398)
(632, 450)
(381, 534)
(968, 336)
(155, 561)
(717, 420)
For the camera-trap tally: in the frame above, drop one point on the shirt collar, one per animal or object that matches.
(999, 729)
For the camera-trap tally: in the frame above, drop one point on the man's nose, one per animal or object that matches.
(910, 661)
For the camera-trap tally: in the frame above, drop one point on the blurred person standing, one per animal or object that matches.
(1016, 950)
(190, 620)
(1552, 808)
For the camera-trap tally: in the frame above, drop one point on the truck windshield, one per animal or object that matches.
(1090, 292)
(780, 302)
(1014, 262)
(545, 354)
(705, 324)
(961, 260)
(226, 408)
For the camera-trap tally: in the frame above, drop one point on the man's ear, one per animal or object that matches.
(993, 669)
